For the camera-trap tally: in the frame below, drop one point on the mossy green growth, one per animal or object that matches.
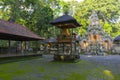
(43, 69)
(76, 76)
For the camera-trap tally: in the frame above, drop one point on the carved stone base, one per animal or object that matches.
(66, 57)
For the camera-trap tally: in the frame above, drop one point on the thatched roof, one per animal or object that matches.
(51, 40)
(65, 21)
(17, 32)
(117, 39)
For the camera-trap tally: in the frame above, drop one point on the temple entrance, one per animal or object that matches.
(95, 41)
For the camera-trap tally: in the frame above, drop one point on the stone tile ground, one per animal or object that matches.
(88, 68)
(111, 62)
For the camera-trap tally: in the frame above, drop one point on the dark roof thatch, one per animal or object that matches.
(51, 40)
(65, 20)
(117, 39)
(17, 32)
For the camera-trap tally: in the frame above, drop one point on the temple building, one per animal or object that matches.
(66, 40)
(116, 45)
(11, 32)
(95, 40)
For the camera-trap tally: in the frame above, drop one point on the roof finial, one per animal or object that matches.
(66, 12)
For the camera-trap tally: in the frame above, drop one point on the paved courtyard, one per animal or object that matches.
(111, 62)
(88, 68)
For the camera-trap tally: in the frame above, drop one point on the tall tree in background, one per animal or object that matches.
(108, 12)
(34, 14)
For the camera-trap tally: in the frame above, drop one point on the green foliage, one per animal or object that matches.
(107, 28)
(3, 43)
(108, 12)
(37, 14)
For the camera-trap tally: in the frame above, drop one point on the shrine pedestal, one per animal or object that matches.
(66, 57)
(66, 42)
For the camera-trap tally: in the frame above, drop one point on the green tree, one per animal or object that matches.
(34, 14)
(37, 14)
(108, 12)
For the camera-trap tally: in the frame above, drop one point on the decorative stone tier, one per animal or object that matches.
(66, 57)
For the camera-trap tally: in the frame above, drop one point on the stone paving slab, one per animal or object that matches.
(111, 62)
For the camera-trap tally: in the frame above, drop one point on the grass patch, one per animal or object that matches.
(41, 69)
(16, 59)
(76, 76)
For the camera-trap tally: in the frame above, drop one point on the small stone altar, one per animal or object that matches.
(66, 42)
